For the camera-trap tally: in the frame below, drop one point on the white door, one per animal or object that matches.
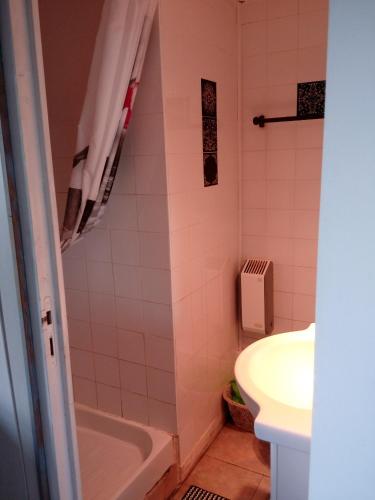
(32, 167)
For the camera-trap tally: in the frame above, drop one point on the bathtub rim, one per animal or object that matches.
(148, 474)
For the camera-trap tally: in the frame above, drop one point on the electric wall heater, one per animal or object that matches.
(257, 296)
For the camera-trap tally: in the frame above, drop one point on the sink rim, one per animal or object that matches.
(275, 421)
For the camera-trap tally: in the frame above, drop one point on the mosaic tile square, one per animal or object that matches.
(311, 98)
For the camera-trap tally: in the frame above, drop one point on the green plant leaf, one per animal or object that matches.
(235, 393)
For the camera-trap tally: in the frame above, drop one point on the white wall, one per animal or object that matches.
(343, 439)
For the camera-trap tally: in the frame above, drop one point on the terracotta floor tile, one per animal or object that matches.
(264, 489)
(238, 448)
(223, 479)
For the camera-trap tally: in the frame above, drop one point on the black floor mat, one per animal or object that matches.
(196, 493)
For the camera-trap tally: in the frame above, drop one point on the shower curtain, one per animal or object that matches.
(114, 77)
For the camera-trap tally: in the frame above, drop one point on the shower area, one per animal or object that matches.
(151, 291)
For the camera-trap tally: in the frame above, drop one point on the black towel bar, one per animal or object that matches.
(262, 120)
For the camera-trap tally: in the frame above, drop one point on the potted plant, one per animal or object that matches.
(239, 412)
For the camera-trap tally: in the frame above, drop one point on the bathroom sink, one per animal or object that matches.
(275, 378)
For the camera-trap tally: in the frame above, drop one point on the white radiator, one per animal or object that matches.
(257, 296)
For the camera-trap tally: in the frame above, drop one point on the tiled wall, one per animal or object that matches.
(118, 279)
(282, 43)
(199, 37)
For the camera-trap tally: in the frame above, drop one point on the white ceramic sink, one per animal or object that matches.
(275, 377)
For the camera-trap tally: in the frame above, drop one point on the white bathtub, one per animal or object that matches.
(119, 459)
(275, 377)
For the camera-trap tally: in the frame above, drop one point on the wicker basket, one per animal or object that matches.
(240, 414)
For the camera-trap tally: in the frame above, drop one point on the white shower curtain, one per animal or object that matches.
(115, 72)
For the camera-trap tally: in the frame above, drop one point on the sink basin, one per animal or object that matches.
(275, 378)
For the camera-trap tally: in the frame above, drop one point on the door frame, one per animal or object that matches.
(34, 189)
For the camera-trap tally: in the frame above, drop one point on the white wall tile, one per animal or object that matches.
(152, 213)
(77, 304)
(312, 29)
(251, 11)
(134, 407)
(305, 224)
(307, 194)
(129, 314)
(156, 285)
(148, 134)
(125, 247)
(104, 339)
(97, 245)
(125, 176)
(100, 277)
(84, 391)
(276, 9)
(133, 377)
(154, 250)
(255, 71)
(254, 194)
(161, 385)
(280, 250)
(109, 399)
(283, 278)
(181, 246)
(82, 363)
(282, 325)
(254, 165)
(281, 164)
(305, 253)
(254, 221)
(79, 334)
(127, 281)
(304, 307)
(150, 174)
(76, 251)
(308, 163)
(311, 64)
(107, 370)
(282, 67)
(282, 136)
(122, 212)
(253, 247)
(75, 275)
(157, 319)
(131, 346)
(159, 353)
(102, 309)
(282, 33)
(309, 134)
(304, 280)
(279, 223)
(280, 194)
(255, 35)
(162, 415)
(283, 304)
(312, 5)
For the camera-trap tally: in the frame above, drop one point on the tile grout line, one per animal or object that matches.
(236, 465)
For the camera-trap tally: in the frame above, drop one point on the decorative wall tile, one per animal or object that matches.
(311, 98)
(209, 132)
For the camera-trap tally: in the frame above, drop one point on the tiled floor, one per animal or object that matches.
(231, 467)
